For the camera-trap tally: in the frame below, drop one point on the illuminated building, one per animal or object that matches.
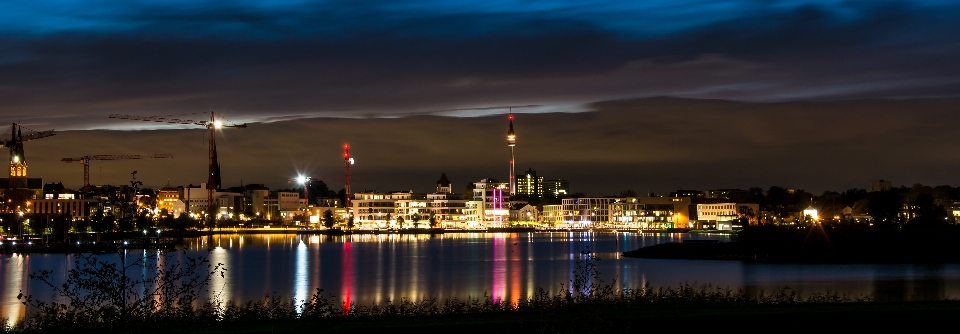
(167, 197)
(651, 212)
(552, 215)
(448, 210)
(256, 197)
(17, 186)
(687, 193)
(66, 206)
(529, 184)
(283, 206)
(193, 199)
(726, 193)
(373, 210)
(811, 213)
(556, 188)
(524, 213)
(723, 216)
(587, 212)
(492, 209)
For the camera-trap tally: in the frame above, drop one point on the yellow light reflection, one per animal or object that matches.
(220, 285)
(301, 279)
(13, 283)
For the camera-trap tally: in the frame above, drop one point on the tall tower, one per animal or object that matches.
(18, 164)
(347, 162)
(512, 141)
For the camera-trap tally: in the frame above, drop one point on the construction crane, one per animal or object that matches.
(213, 174)
(86, 161)
(18, 162)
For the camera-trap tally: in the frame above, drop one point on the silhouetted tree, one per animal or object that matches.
(883, 207)
(416, 220)
(328, 219)
(180, 223)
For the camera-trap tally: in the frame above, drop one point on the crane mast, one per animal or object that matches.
(347, 162)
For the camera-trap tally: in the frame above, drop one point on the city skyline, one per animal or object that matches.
(648, 145)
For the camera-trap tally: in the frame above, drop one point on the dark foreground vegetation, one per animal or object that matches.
(823, 244)
(98, 296)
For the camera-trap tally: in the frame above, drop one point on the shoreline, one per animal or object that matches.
(111, 242)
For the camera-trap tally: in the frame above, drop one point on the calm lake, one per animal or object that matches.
(365, 269)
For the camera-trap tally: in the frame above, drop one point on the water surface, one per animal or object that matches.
(365, 269)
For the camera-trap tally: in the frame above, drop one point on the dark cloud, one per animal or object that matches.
(366, 58)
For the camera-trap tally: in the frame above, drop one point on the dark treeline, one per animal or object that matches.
(895, 207)
(825, 243)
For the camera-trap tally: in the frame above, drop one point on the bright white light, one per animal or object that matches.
(351, 161)
(16, 158)
(301, 179)
(217, 124)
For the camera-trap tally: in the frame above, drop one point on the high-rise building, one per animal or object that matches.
(529, 184)
(556, 188)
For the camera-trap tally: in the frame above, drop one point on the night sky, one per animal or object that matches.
(805, 94)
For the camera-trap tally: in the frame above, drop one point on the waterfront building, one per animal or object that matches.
(493, 209)
(724, 216)
(587, 212)
(411, 211)
(552, 215)
(284, 206)
(373, 210)
(448, 210)
(651, 212)
(230, 205)
(524, 213)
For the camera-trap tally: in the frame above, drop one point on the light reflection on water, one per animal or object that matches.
(366, 269)
(13, 277)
